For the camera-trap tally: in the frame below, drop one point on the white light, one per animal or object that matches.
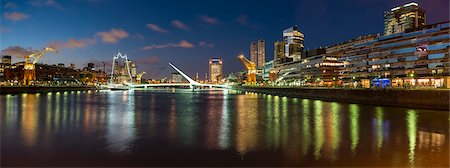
(396, 8)
(412, 3)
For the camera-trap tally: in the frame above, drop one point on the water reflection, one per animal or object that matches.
(411, 121)
(220, 127)
(120, 116)
(246, 124)
(354, 127)
(29, 119)
(224, 134)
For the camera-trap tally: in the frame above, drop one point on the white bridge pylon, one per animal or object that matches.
(192, 83)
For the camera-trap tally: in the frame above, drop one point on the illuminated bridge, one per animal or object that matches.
(192, 83)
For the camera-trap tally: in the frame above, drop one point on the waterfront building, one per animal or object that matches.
(293, 43)
(5, 66)
(404, 18)
(411, 59)
(269, 73)
(215, 70)
(315, 70)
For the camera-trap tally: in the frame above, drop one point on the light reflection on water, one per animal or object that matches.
(159, 126)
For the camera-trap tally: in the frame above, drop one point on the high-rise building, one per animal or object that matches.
(293, 43)
(403, 18)
(278, 53)
(258, 53)
(254, 52)
(261, 54)
(215, 70)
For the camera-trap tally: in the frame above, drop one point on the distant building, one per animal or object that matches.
(91, 66)
(215, 70)
(254, 52)
(61, 65)
(258, 53)
(6, 59)
(293, 43)
(176, 77)
(403, 18)
(73, 66)
(261, 54)
(5, 65)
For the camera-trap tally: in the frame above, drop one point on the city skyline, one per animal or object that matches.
(184, 33)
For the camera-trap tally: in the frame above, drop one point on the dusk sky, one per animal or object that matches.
(186, 33)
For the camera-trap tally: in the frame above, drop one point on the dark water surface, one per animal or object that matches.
(214, 128)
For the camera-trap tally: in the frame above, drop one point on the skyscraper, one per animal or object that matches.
(261, 54)
(293, 43)
(254, 52)
(258, 53)
(278, 53)
(215, 70)
(402, 18)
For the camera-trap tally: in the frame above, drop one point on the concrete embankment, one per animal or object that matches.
(42, 89)
(423, 99)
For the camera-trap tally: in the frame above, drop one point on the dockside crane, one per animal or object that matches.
(29, 66)
(139, 77)
(251, 69)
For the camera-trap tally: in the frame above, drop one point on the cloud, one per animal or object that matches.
(10, 5)
(46, 3)
(4, 29)
(15, 16)
(148, 60)
(242, 19)
(185, 44)
(113, 35)
(17, 51)
(181, 44)
(205, 44)
(208, 19)
(180, 25)
(72, 43)
(156, 28)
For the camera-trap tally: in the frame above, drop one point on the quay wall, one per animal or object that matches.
(422, 99)
(42, 89)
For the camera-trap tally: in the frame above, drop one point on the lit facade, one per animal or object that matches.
(318, 70)
(254, 52)
(404, 18)
(215, 70)
(293, 43)
(261, 54)
(414, 59)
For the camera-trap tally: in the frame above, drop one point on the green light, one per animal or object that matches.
(354, 126)
(379, 127)
(318, 129)
(306, 127)
(336, 129)
(411, 121)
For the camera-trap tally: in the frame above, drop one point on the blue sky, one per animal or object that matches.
(187, 33)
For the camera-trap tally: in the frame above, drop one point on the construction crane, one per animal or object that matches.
(139, 77)
(29, 66)
(251, 69)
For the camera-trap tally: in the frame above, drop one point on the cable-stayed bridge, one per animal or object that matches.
(192, 83)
